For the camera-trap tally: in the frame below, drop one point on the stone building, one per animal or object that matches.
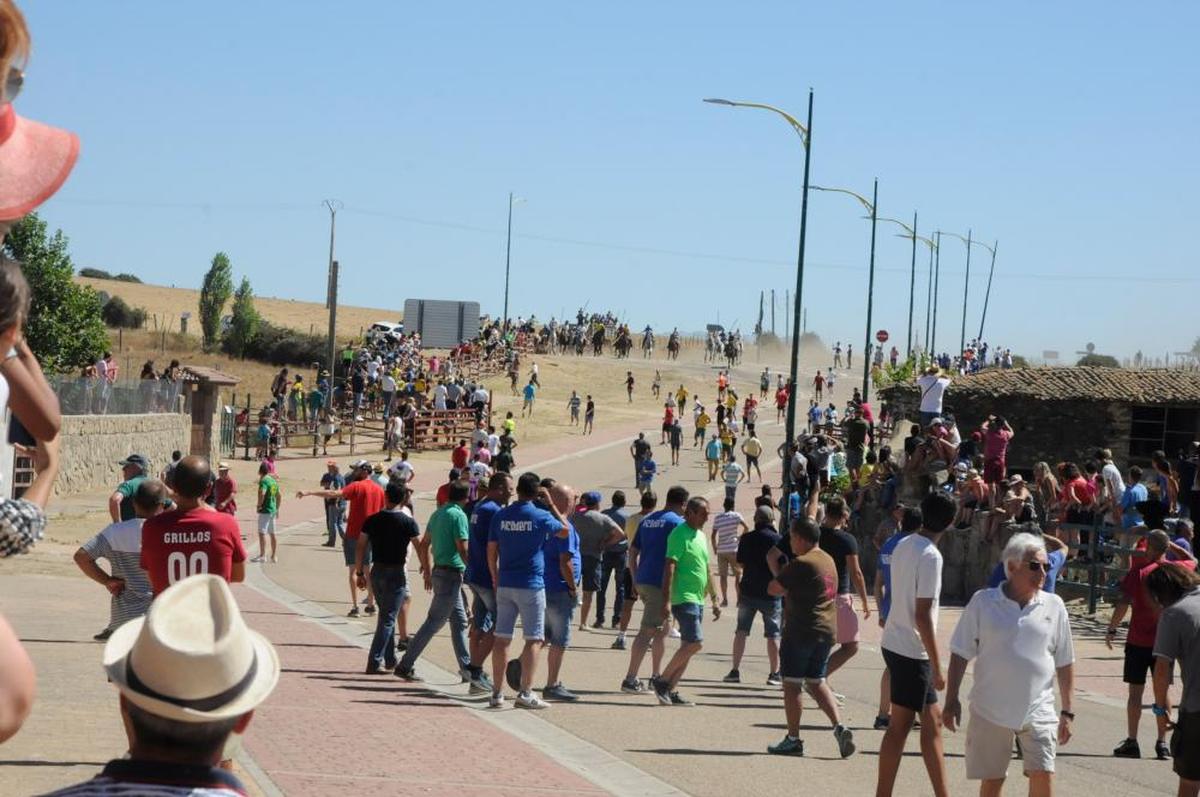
(1066, 413)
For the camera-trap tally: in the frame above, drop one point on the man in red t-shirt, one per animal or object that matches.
(192, 538)
(996, 435)
(1139, 642)
(460, 455)
(366, 498)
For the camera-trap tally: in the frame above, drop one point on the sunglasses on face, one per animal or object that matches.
(1036, 566)
(13, 82)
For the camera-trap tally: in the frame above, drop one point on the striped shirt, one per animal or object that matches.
(132, 778)
(121, 544)
(725, 526)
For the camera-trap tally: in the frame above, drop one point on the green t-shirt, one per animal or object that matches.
(269, 489)
(688, 548)
(446, 527)
(127, 489)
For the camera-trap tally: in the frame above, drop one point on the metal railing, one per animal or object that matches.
(95, 396)
(1101, 561)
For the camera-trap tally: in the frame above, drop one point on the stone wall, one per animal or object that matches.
(93, 444)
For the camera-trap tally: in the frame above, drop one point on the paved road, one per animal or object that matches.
(330, 729)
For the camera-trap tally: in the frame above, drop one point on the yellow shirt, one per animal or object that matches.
(681, 395)
(864, 474)
(702, 421)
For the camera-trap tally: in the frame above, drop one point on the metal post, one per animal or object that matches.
(787, 307)
(928, 302)
(507, 260)
(912, 283)
(962, 338)
(772, 311)
(937, 275)
(790, 427)
(988, 294)
(870, 293)
(333, 292)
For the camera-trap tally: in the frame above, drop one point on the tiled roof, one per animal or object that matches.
(200, 373)
(1134, 386)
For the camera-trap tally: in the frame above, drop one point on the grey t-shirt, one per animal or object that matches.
(1179, 639)
(594, 528)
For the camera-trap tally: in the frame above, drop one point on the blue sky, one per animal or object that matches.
(1066, 131)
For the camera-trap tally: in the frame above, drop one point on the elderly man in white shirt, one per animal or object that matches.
(1020, 639)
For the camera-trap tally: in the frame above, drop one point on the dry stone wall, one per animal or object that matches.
(93, 444)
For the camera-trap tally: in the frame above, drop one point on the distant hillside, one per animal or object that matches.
(168, 303)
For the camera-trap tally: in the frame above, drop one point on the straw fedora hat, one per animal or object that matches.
(192, 658)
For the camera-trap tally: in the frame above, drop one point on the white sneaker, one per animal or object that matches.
(257, 559)
(496, 700)
(531, 701)
(674, 634)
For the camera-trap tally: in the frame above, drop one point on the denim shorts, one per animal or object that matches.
(771, 610)
(687, 618)
(483, 608)
(560, 611)
(348, 546)
(804, 659)
(529, 604)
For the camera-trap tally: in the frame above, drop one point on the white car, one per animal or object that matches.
(384, 329)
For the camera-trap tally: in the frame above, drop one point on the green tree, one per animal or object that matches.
(1099, 360)
(64, 329)
(214, 293)
(244, 324)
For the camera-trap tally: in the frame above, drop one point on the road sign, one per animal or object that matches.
(881, 336)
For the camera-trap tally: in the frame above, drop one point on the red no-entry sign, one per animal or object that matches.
(881, 336)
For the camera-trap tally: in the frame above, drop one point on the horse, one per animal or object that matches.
(648, 344)
(623, 344)
(598, 340)
(673, 346)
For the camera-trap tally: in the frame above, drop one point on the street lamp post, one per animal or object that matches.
(870, 206)
(967, 283)
(508, 257)
(805, 133)
(988, 294)
(937, 276)
(911, 234)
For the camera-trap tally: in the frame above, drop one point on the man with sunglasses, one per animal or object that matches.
(1020, 638)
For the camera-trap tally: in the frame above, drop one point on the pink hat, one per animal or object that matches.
(35, 160)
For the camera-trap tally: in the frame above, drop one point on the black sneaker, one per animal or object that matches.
(409, 675)
(734, 677)
(103, 635)
(1128, 749)
(370, 609)
(402, 644)
(881, 723)
(1161, 751)
(353, 612)
(774, 679)
(845, 740)
(677, 700)
(632, 686)
(560, 693)
(616, 623)
(599, 623)
(662, 690)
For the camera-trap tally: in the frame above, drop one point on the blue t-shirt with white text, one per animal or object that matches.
(650, 539)
(521, 530)
(885, 570)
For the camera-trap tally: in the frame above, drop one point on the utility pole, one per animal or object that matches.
(507, 258)
(962, 338)
(787, 308)
(333, 205)
(870, 294)
(772, 311)
(912, 284)
(988, 294)
(937, 274)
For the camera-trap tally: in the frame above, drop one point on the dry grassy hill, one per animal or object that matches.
(168, 303)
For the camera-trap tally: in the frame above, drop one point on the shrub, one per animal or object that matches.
(123, 277)
(280, 346)
(116, 313)
(95, 273)
(1100, 360)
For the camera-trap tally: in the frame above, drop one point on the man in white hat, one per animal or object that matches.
(190, 674)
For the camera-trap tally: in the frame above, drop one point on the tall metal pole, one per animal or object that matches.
(928, 302)
(790, 426)
(331, 299)
(912, 283)
(988, 294)
(962, 338)
(870, 294)
(787, 306)
(507, 258)
(772, 311)
(937, 275)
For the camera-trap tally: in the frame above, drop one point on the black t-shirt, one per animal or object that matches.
(390, 532)
(856, 434)
(503, 461)
(752, 556)
(641, 448)
(839, 544)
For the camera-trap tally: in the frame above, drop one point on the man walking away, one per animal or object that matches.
(613, 561)
(754, 598)
(1177, 591)
(648, 502)
(1020, 637)
(910, 521)
(726, 528)
(807, 585)
(647, 556)
(446, 536)
(843, 547)
(121, 544)
(562, 563)
(687, 579)
(596, 532)
(387, 534)
(910, 650)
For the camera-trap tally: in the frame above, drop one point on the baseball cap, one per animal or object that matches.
(223, 466)
(591, 498)
(138, 460)
(359, 463)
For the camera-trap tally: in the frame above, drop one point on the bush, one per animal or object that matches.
(276, 345)
(123, 277)
(95, 273)
(116, 313)
(1099, 360)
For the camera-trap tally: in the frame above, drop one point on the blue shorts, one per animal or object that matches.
(771, 610)
(529, 604)
(483, 608)
(687, 619)
(804, 659)
(348, 546)
(560, 611)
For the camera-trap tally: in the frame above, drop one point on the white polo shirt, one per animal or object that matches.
(1016, 651)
